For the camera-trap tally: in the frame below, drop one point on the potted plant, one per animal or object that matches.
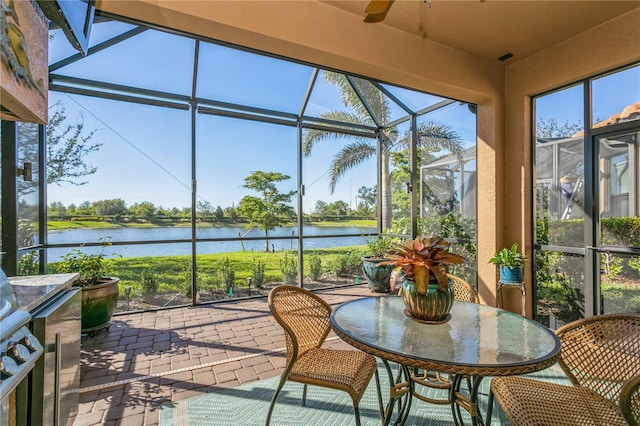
(426, 289)
(100, 291)
(377, 275)
(511, 263)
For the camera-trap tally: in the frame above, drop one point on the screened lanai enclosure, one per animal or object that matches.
(205, 171)
(587, 210)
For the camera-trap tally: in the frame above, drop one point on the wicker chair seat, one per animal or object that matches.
(529, 402)
(345, 370)
(306, 321)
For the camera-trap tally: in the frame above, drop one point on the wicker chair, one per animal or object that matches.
(305, 318)
(464, 292)
(601, 357)
(630, 401)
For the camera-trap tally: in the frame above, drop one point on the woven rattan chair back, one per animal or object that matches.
(601, 357)
(306, 320)
(304, 317)
(630, 401)
(600, 353)
(463, 291)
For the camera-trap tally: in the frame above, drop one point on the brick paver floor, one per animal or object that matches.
(145, 360)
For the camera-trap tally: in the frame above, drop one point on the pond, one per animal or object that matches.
(93, 235)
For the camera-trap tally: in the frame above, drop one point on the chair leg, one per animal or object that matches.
(381, 406)
(489, 408)
(304, 395)
(357, 412)
(273, 401)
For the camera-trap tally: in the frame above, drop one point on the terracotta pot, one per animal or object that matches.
(98, 305)
(433, 306)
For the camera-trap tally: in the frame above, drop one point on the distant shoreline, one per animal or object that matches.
(61, 225)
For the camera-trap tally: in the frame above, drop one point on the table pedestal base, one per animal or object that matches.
(468, 402)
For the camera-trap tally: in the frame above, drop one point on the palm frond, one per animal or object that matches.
(350, 156)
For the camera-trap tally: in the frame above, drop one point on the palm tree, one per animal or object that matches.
(430, 136)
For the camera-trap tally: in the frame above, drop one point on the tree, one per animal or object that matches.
(272, 208)
(368, 199)
(432, 136)
(114, 207)
(204, 209)
(219, 214)
(145, 210)
(552, 129)
(321, 207)
(67, 148)
(337, 208)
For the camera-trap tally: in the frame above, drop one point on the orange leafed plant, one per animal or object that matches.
(418, 259)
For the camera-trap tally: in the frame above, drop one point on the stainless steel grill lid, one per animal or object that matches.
(7, 297)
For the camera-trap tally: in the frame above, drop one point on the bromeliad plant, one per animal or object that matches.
(421, 258)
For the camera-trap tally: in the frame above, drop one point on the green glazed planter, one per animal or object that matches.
(433, 306)
(98, 305)
(377, 276)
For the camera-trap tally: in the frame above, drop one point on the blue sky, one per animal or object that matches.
(146, 152)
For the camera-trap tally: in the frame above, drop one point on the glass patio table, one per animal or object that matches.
(477, 341)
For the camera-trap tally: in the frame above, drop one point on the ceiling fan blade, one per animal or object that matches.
(377, 10)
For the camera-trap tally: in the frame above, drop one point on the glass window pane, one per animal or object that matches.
(616, 97)
(620, 282)
(559, 168)
(335, 266)
(28, 186)
(339, 176)
(247, 179)
(151, 60)
(396, 179)
(333, 98)
(131, 179)
(416, 101)
(244, 78)
(560, 288)
(618, 186)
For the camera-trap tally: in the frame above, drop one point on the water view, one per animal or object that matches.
(79, 236)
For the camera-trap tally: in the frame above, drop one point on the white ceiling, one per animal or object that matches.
(492, 28)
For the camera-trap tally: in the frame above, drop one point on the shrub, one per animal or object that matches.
(227, 274)
(344, 262)
(289, 268)
(149, 283)
(257, 272)
(315, 267)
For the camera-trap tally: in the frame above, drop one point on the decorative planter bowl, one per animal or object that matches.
(433, 306)
(377, 276)
(98, 305)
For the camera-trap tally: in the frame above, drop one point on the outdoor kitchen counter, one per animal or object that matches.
(33, 291)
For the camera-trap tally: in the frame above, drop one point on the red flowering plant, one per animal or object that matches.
(421, 258)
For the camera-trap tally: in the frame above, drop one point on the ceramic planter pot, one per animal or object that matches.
(510, 275)
(433, 306)
(377, 276)
(98, 305)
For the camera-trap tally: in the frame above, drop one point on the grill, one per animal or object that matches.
(19, 350)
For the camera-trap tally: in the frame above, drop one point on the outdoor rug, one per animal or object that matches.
(248, 405)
